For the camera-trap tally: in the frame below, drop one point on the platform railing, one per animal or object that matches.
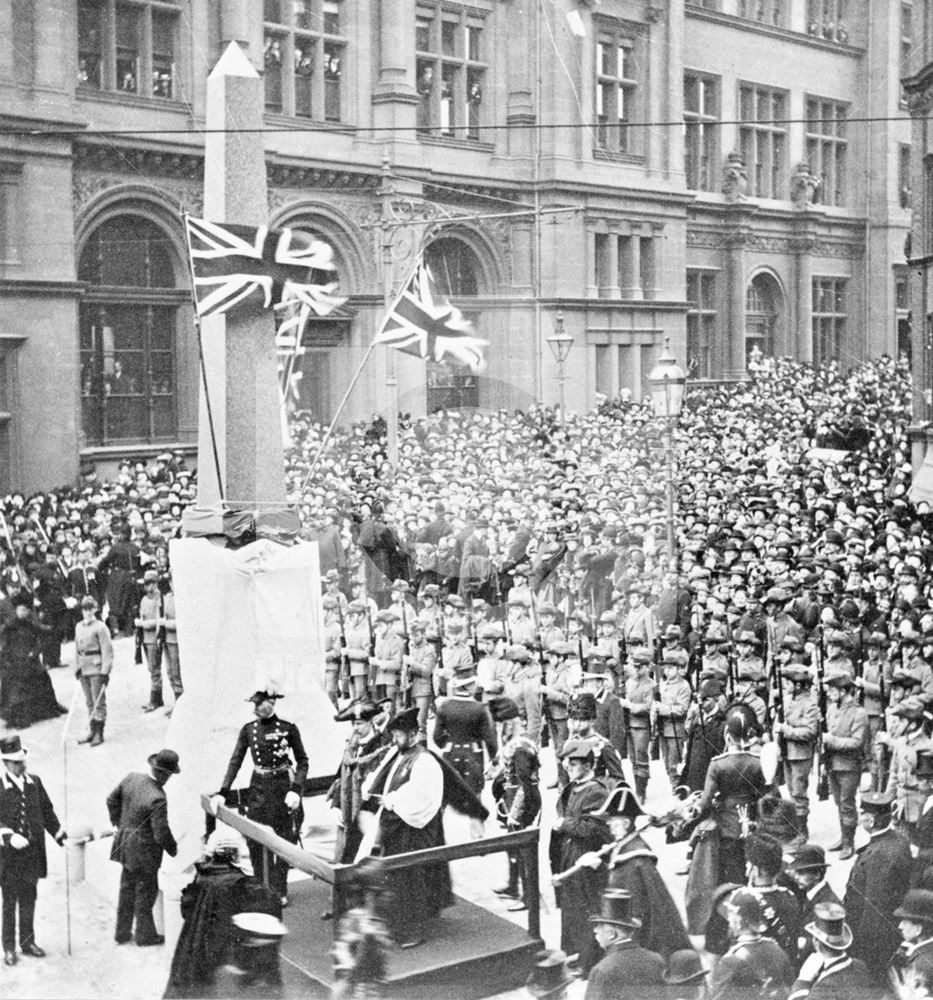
(522, 843)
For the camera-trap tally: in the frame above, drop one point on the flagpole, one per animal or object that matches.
(333, 423)
(207, 394)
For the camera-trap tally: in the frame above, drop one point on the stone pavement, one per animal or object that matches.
(97, 967)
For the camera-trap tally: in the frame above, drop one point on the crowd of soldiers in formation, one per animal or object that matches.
(509, 559)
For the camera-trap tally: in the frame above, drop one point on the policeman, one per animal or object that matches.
(799, 730)
(280, 767)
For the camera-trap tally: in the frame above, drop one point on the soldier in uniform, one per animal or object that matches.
(581, 716)
(799, 731)
(333, 647)
(515, 788)
(149, 622)
(492, 671)
(557, 689)
(387, 655)
(420, 663)
(747, 680)
(875, 685)
(359, 639)
(524, 687)
(837, 653)
(548, 630)
(843, 743)
(456, 657)
(93, 664)
(670, 714)
(639, 697)
(877, 883)
(280, 767)
(462, 727)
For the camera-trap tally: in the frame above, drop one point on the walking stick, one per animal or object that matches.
(71, 710)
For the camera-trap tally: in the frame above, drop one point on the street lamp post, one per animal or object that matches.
(560, 344)
(667, 381)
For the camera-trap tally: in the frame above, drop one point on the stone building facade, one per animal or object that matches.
(729, 175)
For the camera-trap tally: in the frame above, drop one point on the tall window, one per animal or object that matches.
(903, 175)
(303, 55)
(450, 70)
(701, 131)
(907, 42)
(619, 76)
(826, 148)
(128, 46)
(763, 139)
(127, 327)
(766, 11)
(829, 319)
(827, 19)
(701, 322)
(902, 312)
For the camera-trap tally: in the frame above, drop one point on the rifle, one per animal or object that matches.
(822, 781)
(404, 684)
(343, 671)
(371, 678)
(881, 753)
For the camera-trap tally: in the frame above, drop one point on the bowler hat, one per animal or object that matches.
(683, 966)
(616, 909)
(917, 905)
(12, 749)
(829, 926)
(165, 760)
(807, 857)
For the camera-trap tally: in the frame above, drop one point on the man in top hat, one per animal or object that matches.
(550, 976)
(26, 815)
(829, 972)
(799, 732)
(280, 767)
(753, 963)
(627, 970)
(632, 865)
(923, 832)
(462, 727)
(139, 811)
(364, 749)
(913, 960)
(576, 832)
(877, 883)
(807, 871)
(149, 630)
(412, 787)
(843, 742)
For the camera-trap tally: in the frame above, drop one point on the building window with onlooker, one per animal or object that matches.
(763, 139)
(701, 322)
(450, 71)
(828, 319)
(902, 313)
(128, 47)
(826, 148)
(701, 131)
(127, 333)
(906, 44)
(903, 175)
(766, 11)
(826, 19)
(619, 80)
(303, 55)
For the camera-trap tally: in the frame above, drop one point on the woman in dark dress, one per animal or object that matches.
(26, 692)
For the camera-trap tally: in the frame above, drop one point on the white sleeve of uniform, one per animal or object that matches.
(418, 800)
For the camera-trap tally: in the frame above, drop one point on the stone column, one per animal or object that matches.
(803, 304)
(52, 26)
(631, 278)
(733, 358)
(612, 289)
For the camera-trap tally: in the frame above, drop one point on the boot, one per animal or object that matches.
(155, 700)
(848, 847)
(512, 888)
(98, 735)
(89, 735)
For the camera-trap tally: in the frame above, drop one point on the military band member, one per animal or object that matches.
(420, 662)
(280, 767)
(670, 714)
(639, 697)
(387, 655)
(843, 744)
(799, 730)
(359, 638)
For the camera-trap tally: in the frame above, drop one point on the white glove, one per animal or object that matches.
(18, 841)
(216, 802)
(292, 800)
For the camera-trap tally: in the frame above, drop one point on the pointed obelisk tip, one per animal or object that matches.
(234, 62)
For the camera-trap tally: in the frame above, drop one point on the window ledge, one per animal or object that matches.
(773, 31)
(298, 123)
(131, 100)
(626, 158)
(129, 448)
(450, 141)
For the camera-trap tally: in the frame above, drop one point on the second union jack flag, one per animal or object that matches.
(282, 269)
(422, 322)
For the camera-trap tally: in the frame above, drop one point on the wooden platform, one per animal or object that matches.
(469, 952)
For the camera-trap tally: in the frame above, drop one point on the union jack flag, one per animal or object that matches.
(422, 322)
(283, 269)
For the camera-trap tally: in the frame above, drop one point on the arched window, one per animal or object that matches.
(763, 305)
(456, 269)
(128, 326)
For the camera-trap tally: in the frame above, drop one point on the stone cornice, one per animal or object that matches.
(35, 286)
(773, 31)
(919, 92)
